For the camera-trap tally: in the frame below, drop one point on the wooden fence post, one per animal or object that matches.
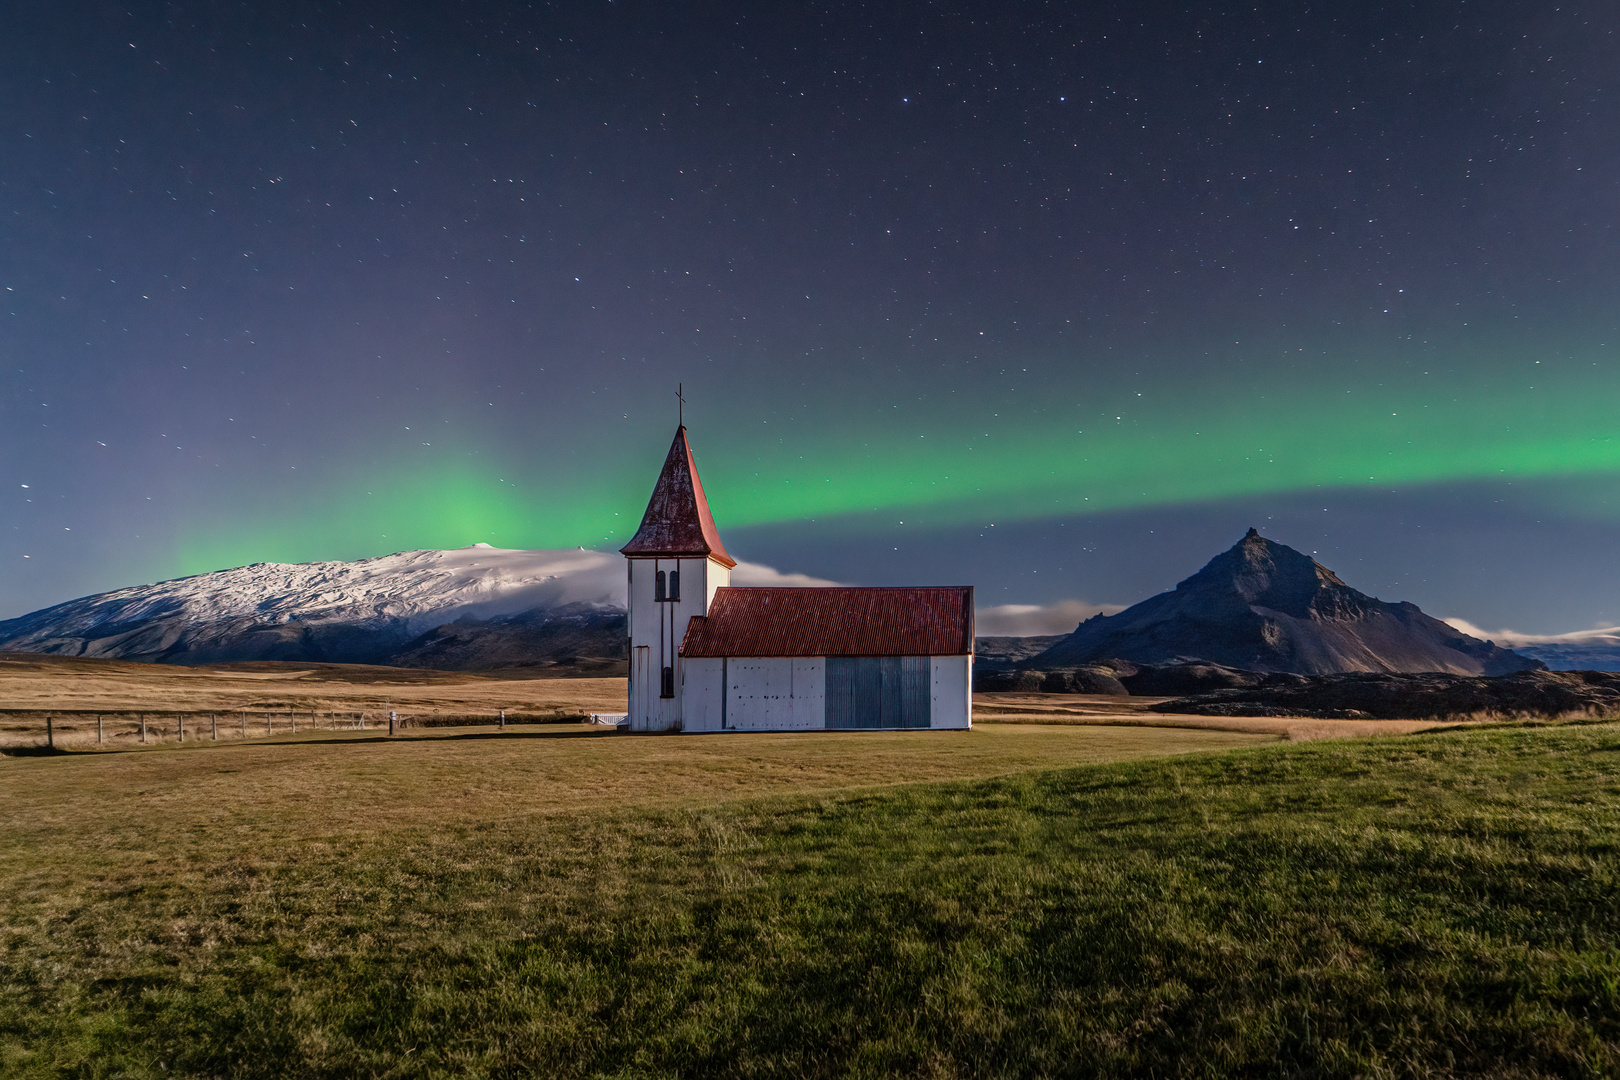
(269, 726)
(214, 719)
(180, 725)
(50, 734)
(244, 724)
(101, 732)
(503, 719)
(292, 719)
(143, 727)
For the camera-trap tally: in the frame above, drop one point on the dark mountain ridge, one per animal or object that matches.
(1262, 606)
(1411, 696)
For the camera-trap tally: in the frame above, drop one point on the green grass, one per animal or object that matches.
(1434, 905)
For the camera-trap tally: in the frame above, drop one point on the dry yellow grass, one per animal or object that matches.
(312, 780)
(75, 691)
(1106, 710)
(562, 900)
(321, 783)
(272, 698)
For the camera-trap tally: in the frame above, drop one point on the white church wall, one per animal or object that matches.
(775, 693)
(716, 575)
(703, 694)
(659, 627)
(951, 705)
(641, 684)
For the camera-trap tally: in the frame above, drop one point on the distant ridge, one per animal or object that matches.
(1262, 606)
(470, 608)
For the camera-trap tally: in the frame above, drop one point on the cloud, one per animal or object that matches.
(1603, 635)
(758, 575)
(598, 577)
(1028, 620)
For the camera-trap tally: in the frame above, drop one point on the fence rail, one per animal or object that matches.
(85, 729)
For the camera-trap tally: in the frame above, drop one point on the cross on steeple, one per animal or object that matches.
(680, 410)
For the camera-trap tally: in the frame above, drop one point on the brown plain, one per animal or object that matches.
(287, 698)
(474, 769)
(75, 691)
(316, 774)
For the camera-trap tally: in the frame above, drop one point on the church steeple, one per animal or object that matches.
(677, 521)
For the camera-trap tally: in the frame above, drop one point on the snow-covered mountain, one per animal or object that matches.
(471, 608)
(1582, 650)
(349, 612)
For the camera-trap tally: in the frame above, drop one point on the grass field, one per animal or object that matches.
(90, 699)
(252, 698)
(1013, 901)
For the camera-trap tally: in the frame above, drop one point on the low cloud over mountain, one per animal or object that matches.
(1028, 620)
(1582, 650)
(469, 608)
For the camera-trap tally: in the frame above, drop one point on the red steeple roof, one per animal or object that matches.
(677, 521)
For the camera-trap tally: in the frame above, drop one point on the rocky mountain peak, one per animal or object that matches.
(1263, 606)
(1256, 572)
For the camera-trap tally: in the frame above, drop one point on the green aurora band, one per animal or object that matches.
(1273, 435)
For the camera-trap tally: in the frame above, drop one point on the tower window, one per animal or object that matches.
(668, 689)
(674, 585)
(658, 587)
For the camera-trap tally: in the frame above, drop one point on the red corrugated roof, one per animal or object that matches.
(677, 521)
(935, 621)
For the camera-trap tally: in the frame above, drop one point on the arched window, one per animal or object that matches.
(658, 587)
(674, 585)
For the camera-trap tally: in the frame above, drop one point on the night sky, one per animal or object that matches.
(1052, 299)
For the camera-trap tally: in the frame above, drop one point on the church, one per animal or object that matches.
(705, 656)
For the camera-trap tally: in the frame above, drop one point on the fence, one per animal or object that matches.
(62, 729)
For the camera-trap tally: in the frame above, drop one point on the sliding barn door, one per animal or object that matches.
(878, 692)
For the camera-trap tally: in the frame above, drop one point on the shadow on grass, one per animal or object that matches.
(33, 751)
(584, 732)
(46, 751)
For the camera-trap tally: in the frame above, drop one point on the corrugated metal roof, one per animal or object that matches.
(934, 621)
(677, 521)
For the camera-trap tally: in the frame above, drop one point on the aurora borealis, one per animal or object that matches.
(1055, 302)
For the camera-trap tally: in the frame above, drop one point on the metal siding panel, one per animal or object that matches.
(702, 695)
(841, 692)
(868, 692)
(916, 691)
(809, 693)
(891, 707)
(760, 698)
(952, 692)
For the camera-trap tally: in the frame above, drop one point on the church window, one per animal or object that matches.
(658, 587)
(668, 689)
(674, 585)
